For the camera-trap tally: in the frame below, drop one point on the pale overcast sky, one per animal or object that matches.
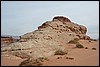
(20, 17)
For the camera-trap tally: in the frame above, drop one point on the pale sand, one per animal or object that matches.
(82, 57)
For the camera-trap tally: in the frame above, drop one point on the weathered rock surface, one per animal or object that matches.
(62, 19)
(49, 37)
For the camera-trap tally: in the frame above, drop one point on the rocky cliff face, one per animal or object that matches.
(49, 37)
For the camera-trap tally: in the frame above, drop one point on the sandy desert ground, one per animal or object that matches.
(81, 56)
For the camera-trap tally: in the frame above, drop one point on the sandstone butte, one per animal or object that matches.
(48, 38)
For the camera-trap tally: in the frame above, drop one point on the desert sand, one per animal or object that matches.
(10, 61)
(82, 56)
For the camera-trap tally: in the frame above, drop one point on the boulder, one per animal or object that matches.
(62, 19)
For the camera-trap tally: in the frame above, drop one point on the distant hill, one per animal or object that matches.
(15, 37)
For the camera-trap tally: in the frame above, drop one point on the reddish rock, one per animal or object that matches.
(83, 29)
(6, 40)
(83, 36)
(62, 19)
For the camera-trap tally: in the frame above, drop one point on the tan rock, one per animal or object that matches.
(49, 37)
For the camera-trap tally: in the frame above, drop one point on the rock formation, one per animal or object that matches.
(8, 40)
(62, 19)
(49, 37)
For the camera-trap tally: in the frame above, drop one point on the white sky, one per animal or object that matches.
(20, 17)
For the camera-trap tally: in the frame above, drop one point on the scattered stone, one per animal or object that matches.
(86, 47)
(70, 58)
(93, 48)
(59, 57)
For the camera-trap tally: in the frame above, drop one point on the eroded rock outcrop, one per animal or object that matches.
(49, 37)
(62, 19)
